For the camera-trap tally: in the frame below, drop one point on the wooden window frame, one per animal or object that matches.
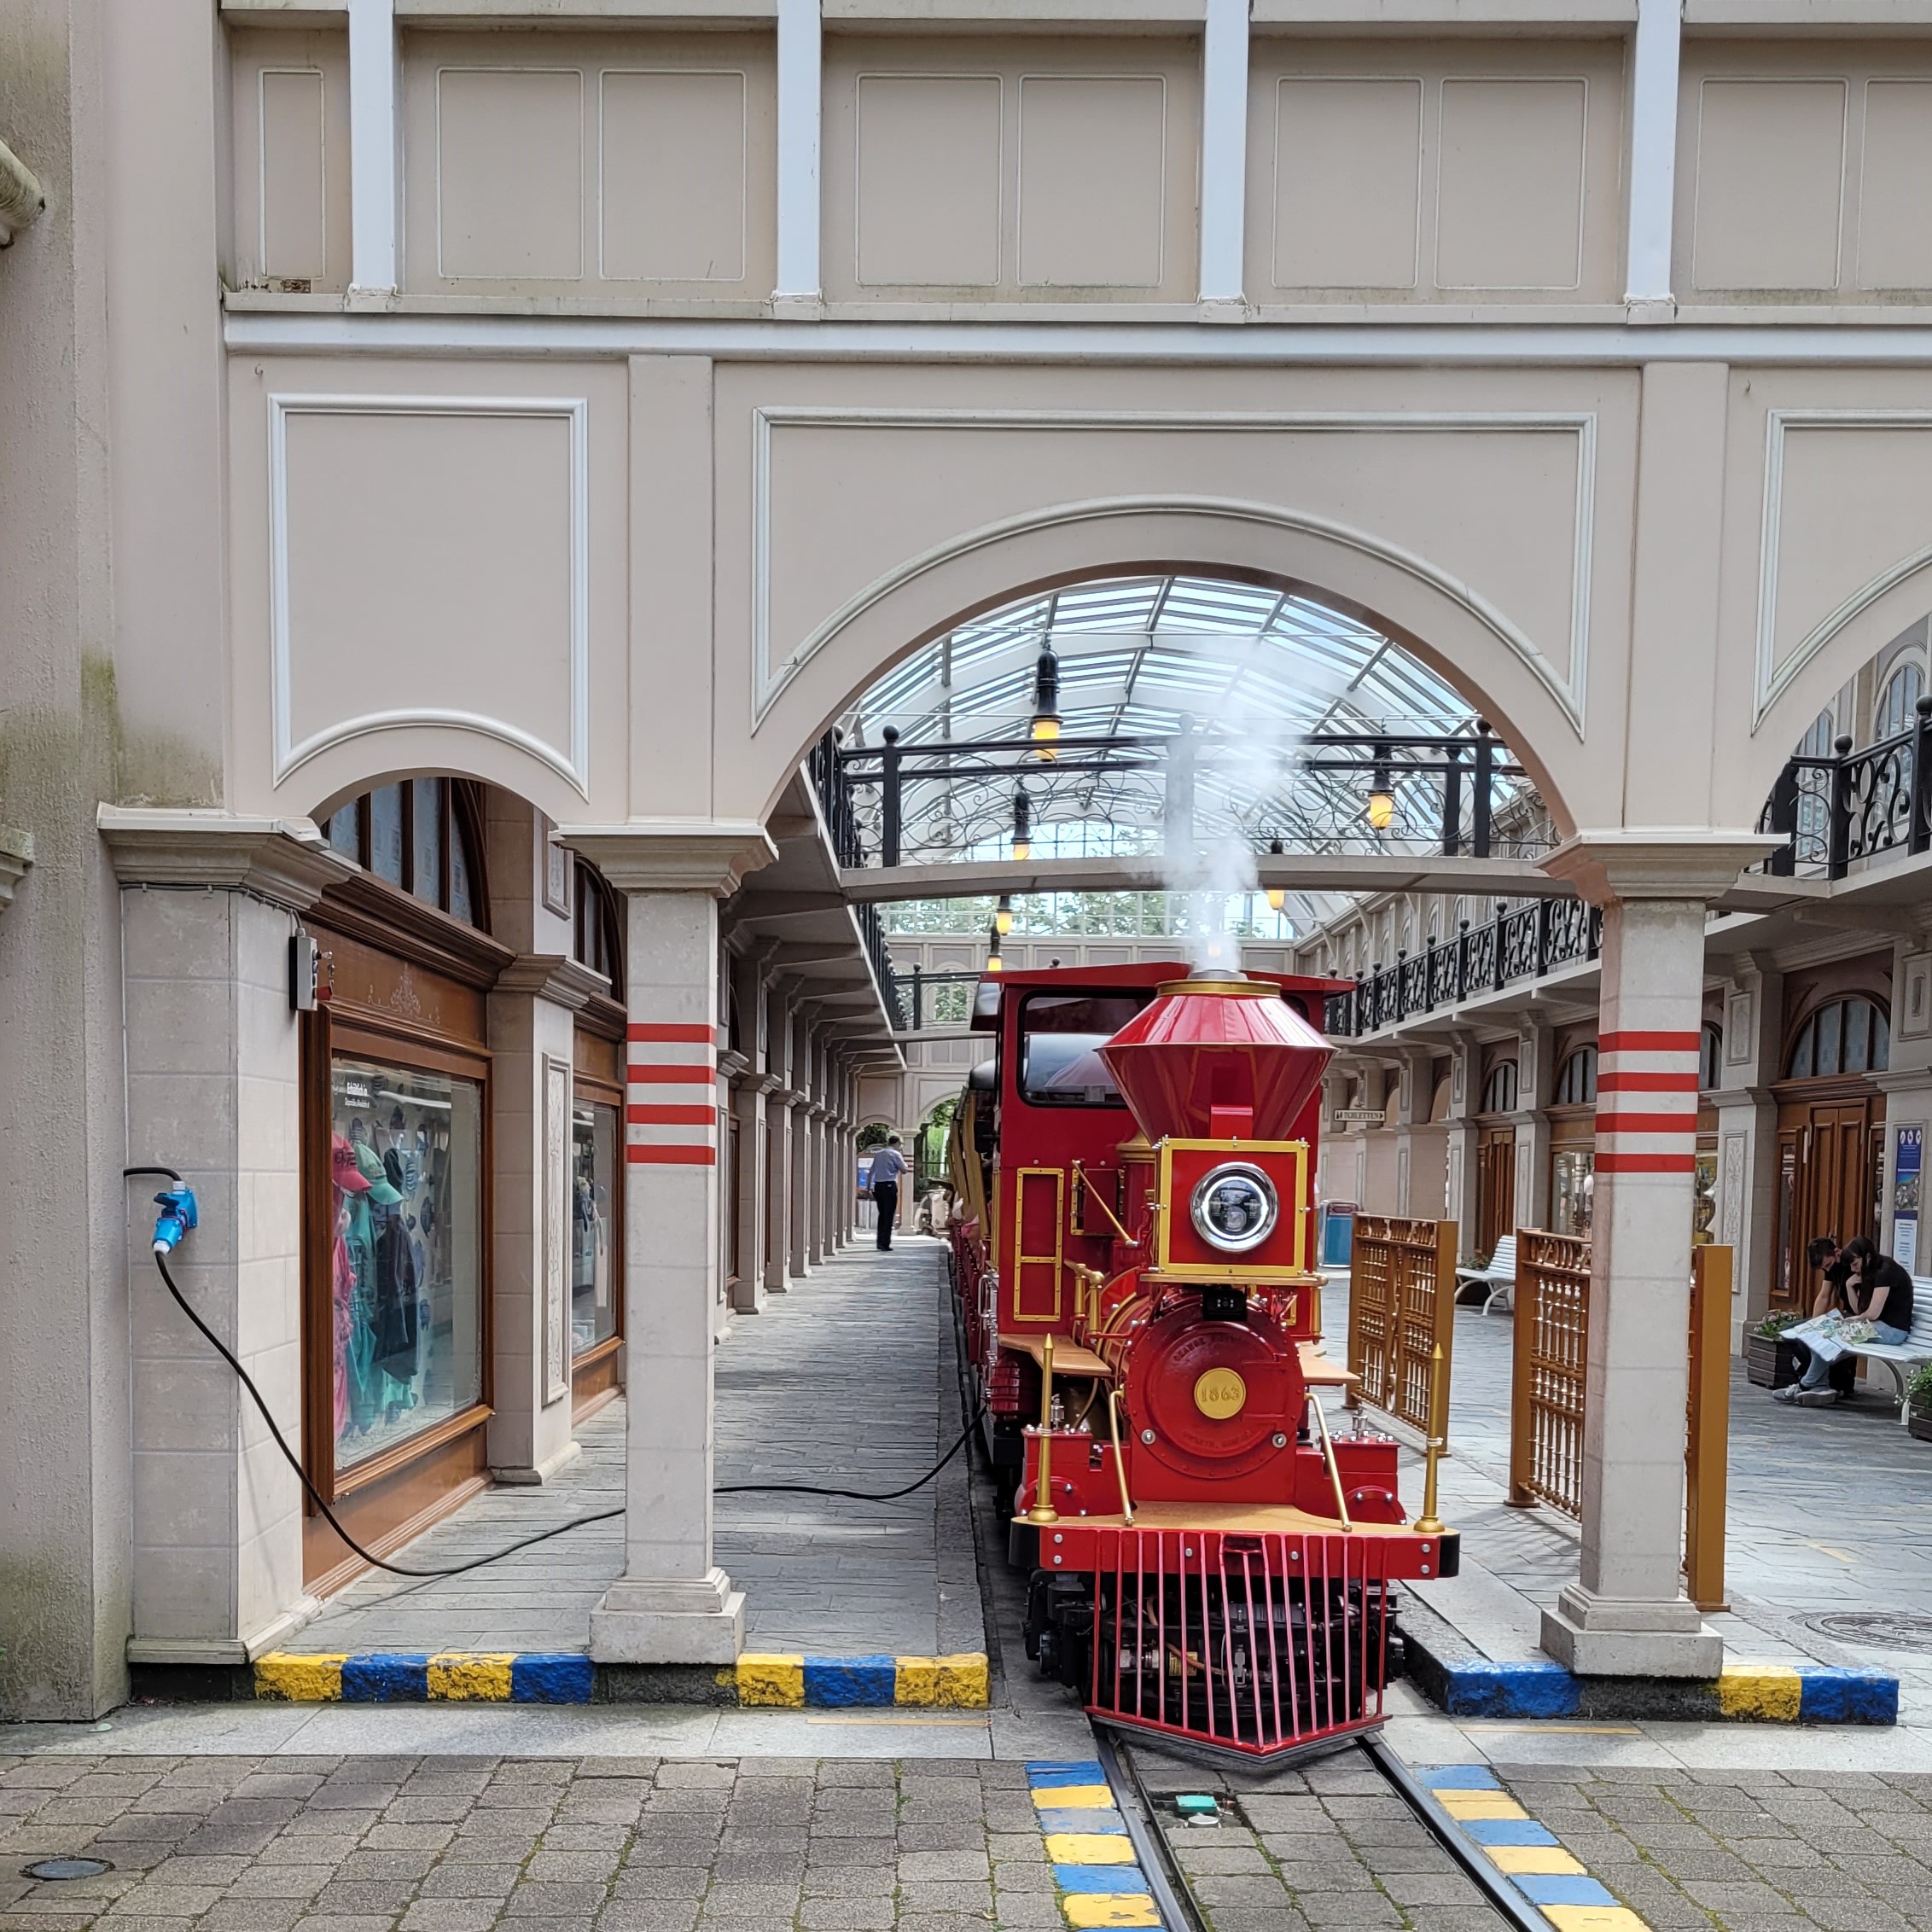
(460, 815)
(603, 1093)
(325, 1035)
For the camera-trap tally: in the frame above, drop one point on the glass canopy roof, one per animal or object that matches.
(1253, 671)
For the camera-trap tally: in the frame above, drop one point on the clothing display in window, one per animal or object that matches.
(405, 1155)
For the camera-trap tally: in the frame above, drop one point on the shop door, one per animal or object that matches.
(1496, 1187)
(1830, 1168)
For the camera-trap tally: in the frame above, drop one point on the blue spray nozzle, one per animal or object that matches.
(178, 1215)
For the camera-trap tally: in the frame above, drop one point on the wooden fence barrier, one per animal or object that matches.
(1552, 1326)
(1706, 1454)
(1401, 1312)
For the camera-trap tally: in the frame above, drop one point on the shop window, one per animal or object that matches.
(1576, 1082)
(406, 1254)
(595, 939)
(424, 838)
(594, 1260)
(1499, 1089)
(1844, 1036)
(1710, 1058)
(1898, 705)
(1573, 1185)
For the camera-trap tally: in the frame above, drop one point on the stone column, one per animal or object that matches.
(212, 1081)
(1627, 1614)
(1462, 1185)
(674, 1605)
(780, 998)
(1534, 1079)
(532, 1047)
(1746, 1135)
(798, 1186)
(747, 1102)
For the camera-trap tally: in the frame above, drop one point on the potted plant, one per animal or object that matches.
(1766, 1364)
(1918, 1404)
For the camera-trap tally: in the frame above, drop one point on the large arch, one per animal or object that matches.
(1449, 625)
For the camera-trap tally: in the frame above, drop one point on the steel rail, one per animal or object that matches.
(1174, 1897)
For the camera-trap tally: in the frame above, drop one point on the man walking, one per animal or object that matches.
(887, 1165)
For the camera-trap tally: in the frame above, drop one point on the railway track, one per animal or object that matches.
(1174, 1897)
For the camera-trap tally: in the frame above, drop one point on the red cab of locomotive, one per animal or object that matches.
(1135, 1256)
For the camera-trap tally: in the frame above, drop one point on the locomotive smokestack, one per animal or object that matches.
(1217, 1044)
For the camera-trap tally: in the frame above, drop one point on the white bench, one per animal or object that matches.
(1909, 1354)
(1497, 1282)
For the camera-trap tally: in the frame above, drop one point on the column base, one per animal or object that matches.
(700, 1620)
(535, 1473)
(748, 1297)
(1619, 1636)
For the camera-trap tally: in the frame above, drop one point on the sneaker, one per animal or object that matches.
(1788, 1393)
(1818, 1398)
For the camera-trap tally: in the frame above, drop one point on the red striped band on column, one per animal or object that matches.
(675, 1063)
(1647, 1101)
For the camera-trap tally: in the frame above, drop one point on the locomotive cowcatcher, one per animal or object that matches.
(1134, 1255)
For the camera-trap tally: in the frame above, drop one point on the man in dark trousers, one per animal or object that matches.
(887, 1165)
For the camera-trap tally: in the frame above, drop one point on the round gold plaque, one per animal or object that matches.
(1220, 1394)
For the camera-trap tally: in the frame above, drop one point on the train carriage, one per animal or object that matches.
(1135, 1258)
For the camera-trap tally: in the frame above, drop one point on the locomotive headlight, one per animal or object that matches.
(1235, 1208)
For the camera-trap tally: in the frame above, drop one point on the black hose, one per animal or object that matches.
(852, 1495)
(294, 1462)
(543, 1536)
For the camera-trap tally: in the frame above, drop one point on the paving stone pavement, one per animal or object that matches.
(846, 1381)
(447, 1844)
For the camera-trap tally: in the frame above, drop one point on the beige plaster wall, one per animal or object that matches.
(607, 168)
(1399, 170)
(1801, 172)
(290, 114)
(1018, 169)
(65, 1572)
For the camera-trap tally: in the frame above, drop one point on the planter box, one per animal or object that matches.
(1771, 1362)
(1920, 1424)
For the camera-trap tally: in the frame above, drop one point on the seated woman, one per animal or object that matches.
(1876, 1300)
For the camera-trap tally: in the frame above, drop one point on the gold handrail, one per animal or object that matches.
(1120, 1464)
(1080, 1174)
(1328, 1456)
(1043, 1510)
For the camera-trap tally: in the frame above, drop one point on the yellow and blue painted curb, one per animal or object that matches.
(1526, 1853)
(756, 1681)
(1095, 1866)
(787, 1681)
(1747, 1693)
(1452, 1674)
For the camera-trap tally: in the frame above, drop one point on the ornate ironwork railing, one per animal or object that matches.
(1837, 809)
(1458, 793)
(1552, 1327)
(1519, 944)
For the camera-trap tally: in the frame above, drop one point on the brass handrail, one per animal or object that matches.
(1119, 1465)
(1328, 1456)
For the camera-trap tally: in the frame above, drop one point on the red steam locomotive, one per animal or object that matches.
(1141, 1311)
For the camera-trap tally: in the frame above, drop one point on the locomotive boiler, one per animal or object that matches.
(1134, 1255)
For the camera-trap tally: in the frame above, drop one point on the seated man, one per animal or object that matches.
(1872, 1302)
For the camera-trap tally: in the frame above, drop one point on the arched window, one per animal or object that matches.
(1576, 1079)
(1710, 1057)
(1817, 742)
(597, 936)
(1499, 1089)
(1844, 1036)
(424, 836)
(1898, 704)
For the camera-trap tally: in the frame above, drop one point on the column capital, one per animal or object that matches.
(698, 855)
(1619, 863)
(283, 860)
(17, 856)
(550, 975)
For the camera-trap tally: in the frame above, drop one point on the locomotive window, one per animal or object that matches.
(1060, 1035)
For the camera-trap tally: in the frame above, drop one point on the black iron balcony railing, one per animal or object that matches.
(1524, 943)
(908, 804)
(1837, 809)
(835, 802)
